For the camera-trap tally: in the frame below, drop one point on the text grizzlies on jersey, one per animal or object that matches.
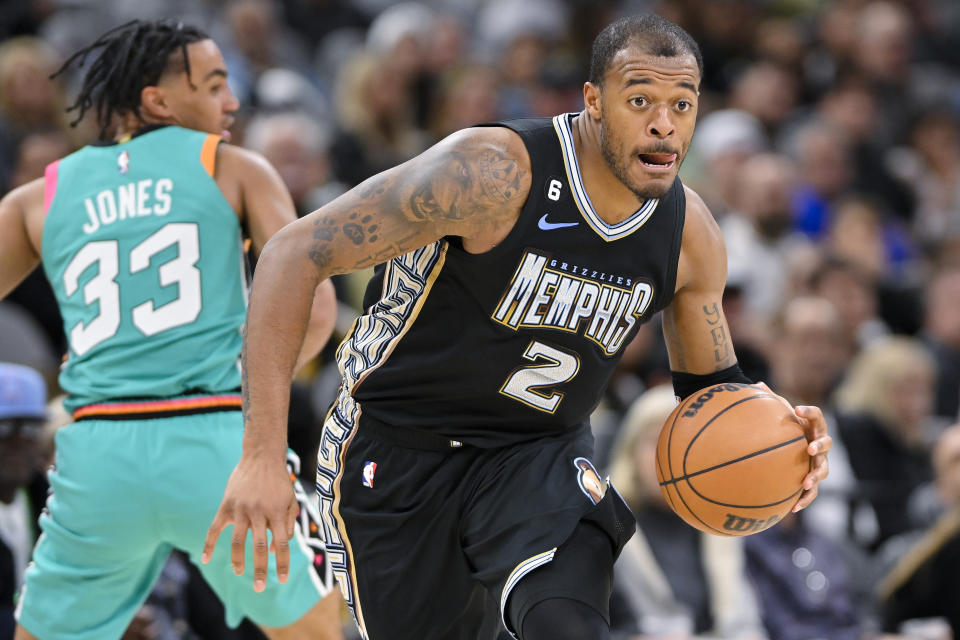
(538, 296)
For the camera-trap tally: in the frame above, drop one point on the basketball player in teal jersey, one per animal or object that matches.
(141, 239)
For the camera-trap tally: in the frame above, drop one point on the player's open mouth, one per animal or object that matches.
(658, 161)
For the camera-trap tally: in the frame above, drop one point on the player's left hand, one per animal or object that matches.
(819, 443)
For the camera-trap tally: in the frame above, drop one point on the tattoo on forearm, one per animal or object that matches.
(712, 313)
(721, 349)
(721, 344)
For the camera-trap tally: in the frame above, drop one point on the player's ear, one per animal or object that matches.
(153, 101)
(591, 99)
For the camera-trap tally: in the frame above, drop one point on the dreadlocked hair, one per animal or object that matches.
(132, 56)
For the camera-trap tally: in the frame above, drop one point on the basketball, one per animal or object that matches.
(731, 459)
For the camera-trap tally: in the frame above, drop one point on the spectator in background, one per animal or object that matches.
(878, 248)
(671, 579)
(852, 107)
(34, 295)
(29, 101)
(465, 97)
(882, 52)
(315, 19)
(885, 420)
(767, 91)
(725, 31)
(22, 341)
(376, 97)
(930, 165)
(517, 36)
(781, 40)
(377, 115)
(402, 37)
(757, 232)
(855, 295)
(855, 235)
(925, 581)
(723, 142)
(298, 147)
(941, 335)
(809, 350)
(23, 398)
(832, 51)
(824, 161)
(35, 151)
(256, 40)
(806, 585)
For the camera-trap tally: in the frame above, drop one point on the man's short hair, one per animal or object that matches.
(654, 34)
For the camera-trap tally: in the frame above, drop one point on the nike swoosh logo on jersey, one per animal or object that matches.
(547, 226)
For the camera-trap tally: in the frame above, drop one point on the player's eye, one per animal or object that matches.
(684, 105)
(638, 101)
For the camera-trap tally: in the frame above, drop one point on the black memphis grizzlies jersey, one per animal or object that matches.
(518, 342)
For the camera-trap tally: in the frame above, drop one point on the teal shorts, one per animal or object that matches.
(124, 494)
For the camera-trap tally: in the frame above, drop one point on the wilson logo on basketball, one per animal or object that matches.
(739, 524)
(703, 398)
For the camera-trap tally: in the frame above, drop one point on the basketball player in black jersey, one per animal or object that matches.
(516, 262)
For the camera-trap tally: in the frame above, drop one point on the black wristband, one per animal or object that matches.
(685, 383)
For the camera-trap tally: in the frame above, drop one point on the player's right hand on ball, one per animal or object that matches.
(259, 497)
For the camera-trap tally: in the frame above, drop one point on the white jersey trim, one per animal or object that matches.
(608, 232)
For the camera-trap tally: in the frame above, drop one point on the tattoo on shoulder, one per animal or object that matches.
(448, 186)
(499, 175)
(721, 343)
(467, 182)
(440, 196)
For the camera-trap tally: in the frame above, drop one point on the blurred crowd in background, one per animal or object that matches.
(828, 149)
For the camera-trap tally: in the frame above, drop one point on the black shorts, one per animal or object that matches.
(428, 538)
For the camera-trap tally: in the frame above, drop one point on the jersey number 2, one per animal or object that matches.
(533, 385)
(104, 290)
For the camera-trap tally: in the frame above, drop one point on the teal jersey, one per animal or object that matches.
(145, 257)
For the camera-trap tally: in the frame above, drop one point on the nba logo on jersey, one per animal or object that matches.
(123, 162)
(369, 468)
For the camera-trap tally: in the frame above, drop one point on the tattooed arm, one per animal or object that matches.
(698, 339)
(696, 331)
(473, 185)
